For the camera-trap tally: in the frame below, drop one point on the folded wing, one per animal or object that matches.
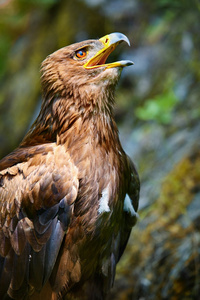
(37, 193)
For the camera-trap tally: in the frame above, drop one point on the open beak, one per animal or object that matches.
(110, 42)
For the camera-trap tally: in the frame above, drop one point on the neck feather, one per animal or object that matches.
(67, 119)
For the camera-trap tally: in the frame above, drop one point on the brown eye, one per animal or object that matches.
(81, 53)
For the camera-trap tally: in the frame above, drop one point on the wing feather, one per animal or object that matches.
(36, 268)
(133, 194)
(51, 250)
(36, 203)
(18, 238)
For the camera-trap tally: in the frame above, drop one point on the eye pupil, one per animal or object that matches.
(81, 53)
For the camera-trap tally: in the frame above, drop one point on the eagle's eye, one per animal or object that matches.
(81, 54)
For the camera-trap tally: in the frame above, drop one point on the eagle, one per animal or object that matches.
(69, 193)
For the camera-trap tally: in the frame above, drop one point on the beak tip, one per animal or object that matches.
(120, 37)
(126, 63)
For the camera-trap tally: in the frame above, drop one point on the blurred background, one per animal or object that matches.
(157, 111)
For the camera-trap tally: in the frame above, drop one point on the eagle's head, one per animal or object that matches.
(81, 68)
(78, 84)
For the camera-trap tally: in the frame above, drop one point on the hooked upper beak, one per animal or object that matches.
(110, 42)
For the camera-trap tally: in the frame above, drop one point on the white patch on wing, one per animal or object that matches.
(128, 206)
(103, 205)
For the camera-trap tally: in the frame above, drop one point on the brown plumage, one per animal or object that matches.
(68, 193)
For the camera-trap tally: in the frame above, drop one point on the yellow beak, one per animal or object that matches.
(110, 42)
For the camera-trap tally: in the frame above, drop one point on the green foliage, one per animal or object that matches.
(159, 109)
